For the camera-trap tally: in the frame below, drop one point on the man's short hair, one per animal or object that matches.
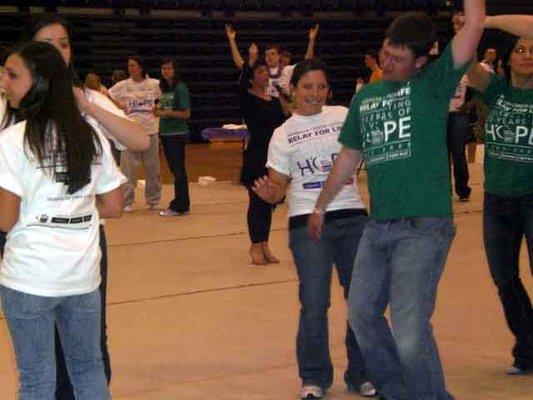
(273, 47)
(414, 31)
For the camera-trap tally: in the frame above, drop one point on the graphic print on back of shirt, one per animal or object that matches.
(386, 126)
(509, 131)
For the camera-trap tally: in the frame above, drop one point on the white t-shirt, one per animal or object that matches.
(304, 148)
(283, 80)
(104, 102)
(53, 249)
(139, 98)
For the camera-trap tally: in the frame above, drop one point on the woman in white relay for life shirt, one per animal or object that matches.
(57, 178)
(138, 96)
(300, 156)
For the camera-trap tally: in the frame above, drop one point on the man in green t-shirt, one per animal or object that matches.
(398, 126)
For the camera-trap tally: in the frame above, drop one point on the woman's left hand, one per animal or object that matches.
(81, 100)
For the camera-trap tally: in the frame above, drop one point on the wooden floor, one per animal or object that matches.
(190, 318)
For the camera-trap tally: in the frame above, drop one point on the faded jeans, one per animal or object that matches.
(31, 321)
(399, 263)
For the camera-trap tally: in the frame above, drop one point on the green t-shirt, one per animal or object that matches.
(508, 139)
(401, 129)
(178, 99)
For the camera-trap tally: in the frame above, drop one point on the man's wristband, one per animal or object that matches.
(318, 211)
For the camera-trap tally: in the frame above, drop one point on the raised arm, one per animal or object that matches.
(313, 33)
(465, 42)
(519, 25)
(235, 54)
(127, 132)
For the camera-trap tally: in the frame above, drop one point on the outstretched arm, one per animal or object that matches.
(465, 42)
(519, 25)
(313, 33)
(235, 54)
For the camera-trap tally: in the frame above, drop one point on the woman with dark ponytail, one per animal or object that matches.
(101, 112)
(57, 179)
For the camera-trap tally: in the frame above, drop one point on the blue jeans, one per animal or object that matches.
(314, 263)
(31, 321)
(399, 263)
(506, 221)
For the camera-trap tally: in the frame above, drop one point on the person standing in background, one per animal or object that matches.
(174, 110)
(137, 96)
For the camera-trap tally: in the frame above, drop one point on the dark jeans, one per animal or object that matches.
(64, 389)
(506, 220)
(457, 135)
(259, 218)
(174, 148)
(314, 263)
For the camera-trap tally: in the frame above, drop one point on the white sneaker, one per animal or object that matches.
(311, 392)
(129, 208)
(367, 390)
(171, 213)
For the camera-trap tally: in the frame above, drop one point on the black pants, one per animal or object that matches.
(64, 390)
(457, 135)
(259, 218)
(2, 242)
(506, 220)
(174, 148)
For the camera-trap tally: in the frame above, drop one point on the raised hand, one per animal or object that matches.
(313, 32)
(230, 32)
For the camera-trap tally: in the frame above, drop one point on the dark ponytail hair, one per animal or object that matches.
(166, 86)
(305, 66)
(35, 24)
(63, 143)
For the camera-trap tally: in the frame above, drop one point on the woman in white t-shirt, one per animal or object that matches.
(57, 179)
(300, 157)
(138, 96)
(102, 113)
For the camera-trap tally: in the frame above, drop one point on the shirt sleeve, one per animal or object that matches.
(181, 98)
(351, 132)
(278, 157)
(110, 176)
(115, 92)
(104, 102)
(441, 77)
(12, 163)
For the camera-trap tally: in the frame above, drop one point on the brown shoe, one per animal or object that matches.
(268, 254)
(256, 252)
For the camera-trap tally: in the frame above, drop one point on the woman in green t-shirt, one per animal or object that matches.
(174, 110)
(508, 165)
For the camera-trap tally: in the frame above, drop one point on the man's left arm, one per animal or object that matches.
(465, 42)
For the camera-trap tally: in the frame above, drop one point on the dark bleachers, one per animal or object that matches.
(102, 42)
